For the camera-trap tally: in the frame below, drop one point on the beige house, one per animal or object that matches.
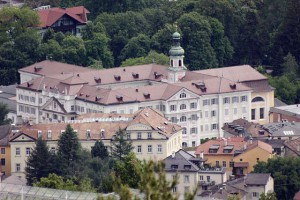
(152, 136)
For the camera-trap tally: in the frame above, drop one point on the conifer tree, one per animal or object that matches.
(121, 147)
(68, 151)
(99, 150)
(38, 162)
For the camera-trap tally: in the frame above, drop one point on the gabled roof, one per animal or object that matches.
(51, 100)
(49, 16)
(257, 179)
(181, 159)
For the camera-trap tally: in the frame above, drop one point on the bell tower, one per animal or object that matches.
(176, 70)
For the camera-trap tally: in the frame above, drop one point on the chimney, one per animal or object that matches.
(202, 155)
(245, 146)
(173, 154)
(19, 120)
(225, 142)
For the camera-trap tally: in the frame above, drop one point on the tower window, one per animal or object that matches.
(171, 63)
(180, 63)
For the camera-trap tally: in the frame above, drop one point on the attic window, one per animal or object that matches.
(37, 68)
(97, 79)
(30, 83)
(135, 75)
(228, 149)
(147, 95)
(117, 77)
(97, 98)
(232, 86)
(119, 98)
(261, 132)
(81, 94)
(157, 75)
(102, 131)
(87, 95)
(39, 133)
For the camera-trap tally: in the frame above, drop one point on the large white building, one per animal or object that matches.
(200, 101)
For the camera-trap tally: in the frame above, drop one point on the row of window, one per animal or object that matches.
(139, 135)
(27, 151)
(26, 98)
(26, 109)
(149, 149)
(183, 106)
(194, 130)
(261, 113)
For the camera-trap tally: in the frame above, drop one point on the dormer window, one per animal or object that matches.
(214, 149)
(228, 149)
(37, 68)
(88, 134)
(117, 77)
(119, 98)
(29, 84)
(201, 86)
(232, 86)
(174, 166)
(147, 95)
(157, 75)
(135, 75)
(97, 98)
(49, 135)
(102, 133)
(40, 133)
(187, 167)
(97, 79)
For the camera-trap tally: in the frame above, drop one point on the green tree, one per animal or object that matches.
(56, 182)
(154, 183)
(99, 150)
(161, 41)
(196, 37)
(74, 50)
(38, 163)
(121, 147)
(152, 57)
(51, 50)
(136, 47)
(68, 151)
(286, 174)
(290, 66)
(3, 113)
(128, 170)
(268, 196)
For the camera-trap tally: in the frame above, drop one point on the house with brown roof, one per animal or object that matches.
(199, 101)
(152, 136)
(64, 20)
(249, 187)
(234, 153)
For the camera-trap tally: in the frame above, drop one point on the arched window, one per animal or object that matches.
(184, 145)
(184, 131)
(171, 63)
(180, 63)
(183, 118)
(182, 95)
(257, 99)
(182, 107)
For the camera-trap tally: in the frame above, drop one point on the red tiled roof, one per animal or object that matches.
(49, 16)
(240, 73)
(236, 142)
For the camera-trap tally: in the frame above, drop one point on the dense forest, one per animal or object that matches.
(215, 33)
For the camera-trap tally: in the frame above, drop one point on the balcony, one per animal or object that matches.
(207, 183)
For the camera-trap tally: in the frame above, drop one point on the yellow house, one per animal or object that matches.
(219, 152)
(254, 151)
(152, 136)
(5, 150)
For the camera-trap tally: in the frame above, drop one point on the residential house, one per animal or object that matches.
(220, 152)
(152, 136)
(64, 20)
(5, 150)
(245, 159)
(198, 101)
(236, 154)
(283, 130)
(249, 187)
(285, 113)
(292, 147)
(192, 173)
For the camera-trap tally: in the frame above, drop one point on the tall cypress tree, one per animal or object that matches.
(121, 147)
(38, 162)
